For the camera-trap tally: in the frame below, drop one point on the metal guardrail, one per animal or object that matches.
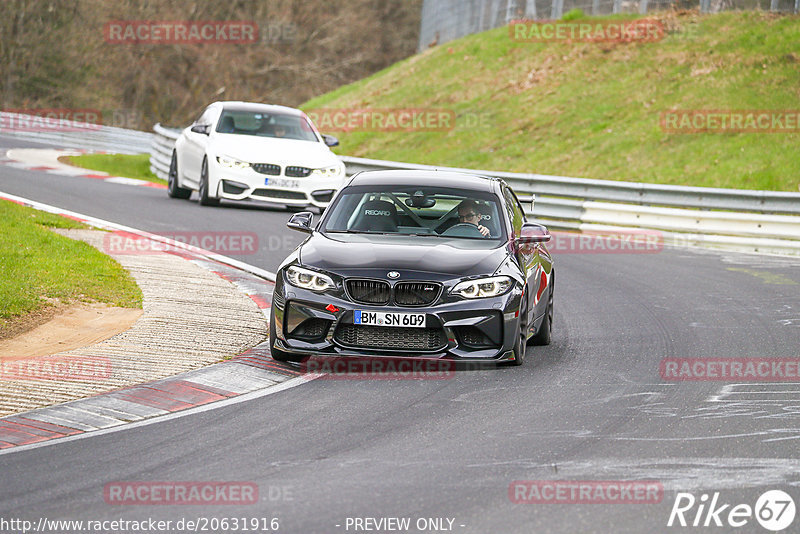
(772, 202)
(70, 134)
(724, 218)
(161, 150)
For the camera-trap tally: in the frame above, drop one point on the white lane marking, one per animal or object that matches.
(291, 383)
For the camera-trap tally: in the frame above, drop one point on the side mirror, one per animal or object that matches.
(301, 222)
(200, 128)
(533, 233)
(330, 140)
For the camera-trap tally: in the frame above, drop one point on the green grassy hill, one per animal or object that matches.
(593, 109)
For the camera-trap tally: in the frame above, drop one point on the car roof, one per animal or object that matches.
(435, 178)
(256, 106)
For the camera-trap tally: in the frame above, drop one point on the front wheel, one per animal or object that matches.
(522, 332)
(173, 189)
(204, 199)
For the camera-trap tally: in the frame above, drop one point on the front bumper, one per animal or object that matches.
(314, 324)
(242, 184)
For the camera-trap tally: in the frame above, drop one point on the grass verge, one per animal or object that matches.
(594, 110)
(128, 166)
(39, 268)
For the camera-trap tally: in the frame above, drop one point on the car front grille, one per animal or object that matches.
(405, 293)
(267, 168)
(415, 293)
(390, 338)
(369, 291)
(297, 172)
(272, 193)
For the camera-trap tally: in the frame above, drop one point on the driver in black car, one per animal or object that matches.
(468, 213)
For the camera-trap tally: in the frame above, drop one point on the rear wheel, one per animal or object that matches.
(205, 200)
(173, 189)
(545, 334)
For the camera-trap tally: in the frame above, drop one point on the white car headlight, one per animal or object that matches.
(233, 163)
(307, 279)
(483, 287)
(329, 172)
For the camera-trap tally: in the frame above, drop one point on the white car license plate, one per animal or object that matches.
(416, 320)
(281, 182)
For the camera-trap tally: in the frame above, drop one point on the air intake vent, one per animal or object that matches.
(391, 338)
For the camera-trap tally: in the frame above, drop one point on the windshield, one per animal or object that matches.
(414, 210)
(277, 125)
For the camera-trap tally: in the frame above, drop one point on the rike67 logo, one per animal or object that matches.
(774, 510)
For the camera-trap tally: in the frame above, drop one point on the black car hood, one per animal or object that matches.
(350, 254)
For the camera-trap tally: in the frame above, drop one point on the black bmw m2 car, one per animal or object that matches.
(421, 264)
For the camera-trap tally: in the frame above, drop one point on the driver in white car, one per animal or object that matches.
(468, 213)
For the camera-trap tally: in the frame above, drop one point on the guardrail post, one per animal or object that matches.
(557, 9)
(530, 9)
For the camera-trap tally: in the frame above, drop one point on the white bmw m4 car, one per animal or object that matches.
(244, 150)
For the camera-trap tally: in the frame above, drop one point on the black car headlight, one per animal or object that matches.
(308, 279)
(483, 287)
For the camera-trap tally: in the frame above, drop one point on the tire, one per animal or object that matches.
(204, 199)
(522, 332)
(545, 333)
(173, 189)
(277, 354)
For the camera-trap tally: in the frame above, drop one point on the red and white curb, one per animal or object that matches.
(46, 160)
(249, 375)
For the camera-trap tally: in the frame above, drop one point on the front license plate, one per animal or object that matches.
(416, 320)
(281, 182)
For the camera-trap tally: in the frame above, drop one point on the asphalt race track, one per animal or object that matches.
(591, 406)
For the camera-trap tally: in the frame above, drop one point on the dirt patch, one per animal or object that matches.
(68, 328)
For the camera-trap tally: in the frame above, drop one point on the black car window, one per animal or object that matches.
(414, 210)
(515, 214)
